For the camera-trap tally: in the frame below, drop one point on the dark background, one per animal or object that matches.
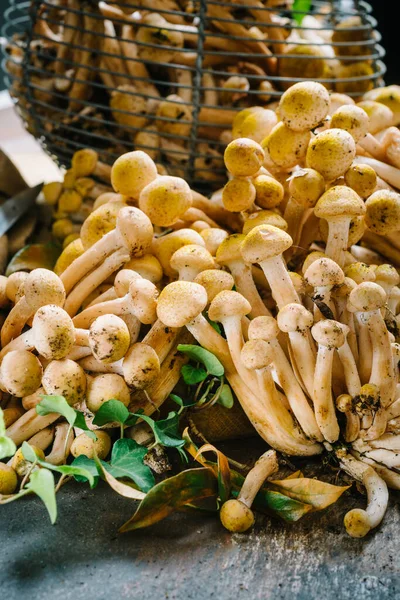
(385, 12)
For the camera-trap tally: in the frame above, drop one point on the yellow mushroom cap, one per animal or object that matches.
(324, 272)
(286, 147)
(304, 105)
(83, 444)
(331, 153)
(131, 172)
(99, 222)
(255, 354)
(54, 332)
(360, 272)
(102, 388)
(238, 194)
(383, 212)
(387, 274)
(20, 373)
(229, 249)
(264, 217)
(367, 296)
(255, 125)
(362, 179)
(180, 302)
(213, 238)
(215, 281)
(263, 242)
(84, 162)
(339, 201)
(109, 338)
(165, 200)
(8, 479)
(192, 256)
(148, 266)
(357, 523)
(164, 246)
(243, 157)
(269, 191)
(306, 186)
(41, 287)
(228, 304)
(65, 378)
(380, 115)
(352, 119)
(236, 516)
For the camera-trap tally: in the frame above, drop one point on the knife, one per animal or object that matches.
(13, 209)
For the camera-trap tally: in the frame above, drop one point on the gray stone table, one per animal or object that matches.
(189, 557)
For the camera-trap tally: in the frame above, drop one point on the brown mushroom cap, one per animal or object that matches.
(214, 281)
(228, 304)
(339, 201)
(263, 242)
(383, 212)
(180, 302)
(20, 373)
(328, 333)
(324, 272)
(165, 200)
(367, 296)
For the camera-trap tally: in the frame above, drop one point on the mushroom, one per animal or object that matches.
(254, 123)
(42, 439)
(108, 338)
(285, 147)
(8, 480)
(147, 266)
(64, 378)
(106, 387)
(380, 116)
(306, 186)
(266, 329)
(359, 522)
(20, 373)
(214, 281)
(329, 336)
(213, 238)
(163, 247)
(338, 205)
(383, 212)
(323, 275)
(41, 287)
(331, 153)
(85, 163)
(174, 117)
(355, 121)
(131, 172)
(238, 195)
(141, 366)
(100, 447)
(388, 173)
(243, 157)
(344, 404)
(264, 245)
(304, 105)
(190, 260)
(362, 179)
(28, 425)
(63, 438)
(14, 289)
(165, 200)
(236, 514)
(229, 255)
(269, 192)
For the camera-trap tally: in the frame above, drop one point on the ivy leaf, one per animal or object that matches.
(166, 431)
(127, 461)
(311, 491)
(87, 464)
(223, 471)
(121, 488)
(111, 411)
(34, 256)
(7, 446)
(171, 494)
(193, 375)
(41, 483)
(300, 7)
(181, 402)
(206, 358)
(226, 396)
(58, 404)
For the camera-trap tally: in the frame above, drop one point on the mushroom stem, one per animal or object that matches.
(28, 425)
(265, 466)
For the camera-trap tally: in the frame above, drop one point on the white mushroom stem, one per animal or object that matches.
(351, 375)
(63, 439)
(365, 350)
(265, 466)
(344, 404)
(43, 438)
(391, 478)
(377, 496)
(28, 425)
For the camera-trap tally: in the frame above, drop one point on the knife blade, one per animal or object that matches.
(13, 209)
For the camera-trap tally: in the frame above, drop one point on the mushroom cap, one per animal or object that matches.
(68, 255)
(192, 256)
(15, 285)
(357, 523)
(310, 258)
(269, 191)
(390, 97)
(229, 249)
(99, 222)
(109, 338)
(304, 105)
(164, 246)
(286, 147)
(324, 272)
(228, 304)
(328, 333)
(20, 373)
(165, 200)
(360, 272)
(299, 282)
(255, 354)
(362, 179)
(339, 201)
(255, 125)
(387, 274)
(65, 378)
(383, 212)
(306, 186)
(352, 119)
(143, 299)
(42, 287)
(180, 302)
(83, 444)
(84, 162)
(54, 332)
(141, 366)
(135, 229)
(123, 279)
(238, 194)
(131, 172)
(236, 516)
(380, 116)
(102, 388)
(213, 238)
(264, 217)
(338, 100)
(8, 479)
(148, 266)
(342, 291)
(263, 328)
(263, 242)
(243, 157)
(367, 296)
(294, 318)
(215, 281)
(331, 153)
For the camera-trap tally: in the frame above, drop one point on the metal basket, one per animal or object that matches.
(84, 73)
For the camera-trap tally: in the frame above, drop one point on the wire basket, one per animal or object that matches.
(168, 76)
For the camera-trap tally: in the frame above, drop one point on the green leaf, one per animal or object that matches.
(171, 494)
(127, 461)
(206, 358)
(223, 471)
(181, 402)
(128, 491)
(226, 396)
(110, 412)
(7, 446)
(34, 256)
(41, 483)
(193, 375)
(299, 7)
(215, 326)
(166, 430)
(58, 404)
(29, 452)
(87, 464)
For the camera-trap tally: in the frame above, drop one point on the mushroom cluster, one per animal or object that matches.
(159, 75)
(282, 258)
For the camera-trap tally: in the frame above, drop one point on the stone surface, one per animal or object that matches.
(187, 557)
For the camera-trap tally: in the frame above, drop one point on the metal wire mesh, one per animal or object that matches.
(168, 76)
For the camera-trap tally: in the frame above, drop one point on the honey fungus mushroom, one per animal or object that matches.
(106, 387)
(20, 373)
(64, 378)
